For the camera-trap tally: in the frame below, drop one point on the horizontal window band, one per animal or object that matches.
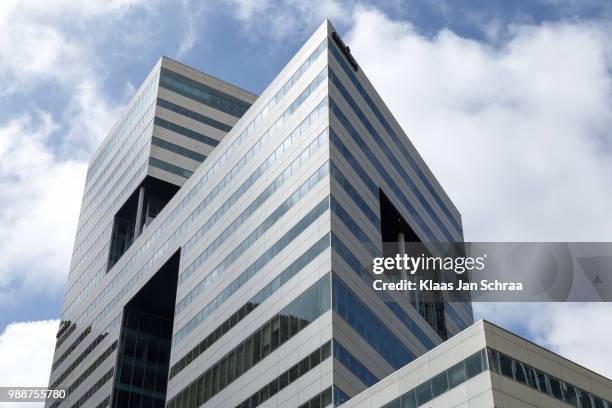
(185, 132)
(170, 168)
(202, 93)
(193, 115)
(174, 148)
(264, 341)
(312, 253)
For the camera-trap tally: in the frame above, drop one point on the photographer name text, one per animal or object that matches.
(431, 285)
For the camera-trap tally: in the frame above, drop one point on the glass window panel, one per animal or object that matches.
(555, 387)
(456, 375)
(439, 384)
(266, 340)
(283, 380)
(293, 373)
(598, 402)
(393, 404)
(473, 365)
(519, 372)
(315, 358)
(326, 397)
(273, 387)
(531, 377)
(304, 366)
(256, 347)
(585, 400)
(423, 393)
(505, 365)
(408, 400)
(541, 381)
(275, 332)
(569, 392)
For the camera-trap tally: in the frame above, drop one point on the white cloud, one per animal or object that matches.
(52, 49)
(40, 200)
(43, 40)
(518, 135)
(193, 14)
(278, 20)
(26, 353)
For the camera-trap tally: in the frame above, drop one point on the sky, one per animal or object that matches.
(509, 103)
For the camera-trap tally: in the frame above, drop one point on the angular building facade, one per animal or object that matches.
(486, 366)
(223, 243)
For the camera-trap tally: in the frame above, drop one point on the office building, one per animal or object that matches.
(221, 257)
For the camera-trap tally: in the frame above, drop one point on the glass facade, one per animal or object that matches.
(290, 376)
(204, 94)
(192, 115)
(249, 306)
(252, 126)
(538, 380)
(398, 144)
(143, 359)
(391, 303)
(353, 365)
(170, 168)
(185, 131)
(292, 319)
(174, 148)
(365, 322)
(247, 242)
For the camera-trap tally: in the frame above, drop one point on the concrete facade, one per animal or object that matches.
(491, 386)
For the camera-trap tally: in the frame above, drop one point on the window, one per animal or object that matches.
(456, 375)
(439, 385)
(473, 365)
(585, 400)
(505, 365)
(408, 400)
(266, 340)
(569, 392)
(423, 393)
(285, 378)
(393, 404)
(493, 362)
(541, 381)
(555, 387)
(519, 372)
(598, 402)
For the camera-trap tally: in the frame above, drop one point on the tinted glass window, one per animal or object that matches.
(555, 387)
(541, 379)
(569, 393)
(519, 373)
(423, 393)
(439, 385)
(473, 365)
(505, 365)
(585, 400)
(492, 357)
(456, 375)
(408, 400)
(393, 404)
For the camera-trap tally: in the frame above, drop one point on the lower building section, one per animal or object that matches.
(486, 366)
